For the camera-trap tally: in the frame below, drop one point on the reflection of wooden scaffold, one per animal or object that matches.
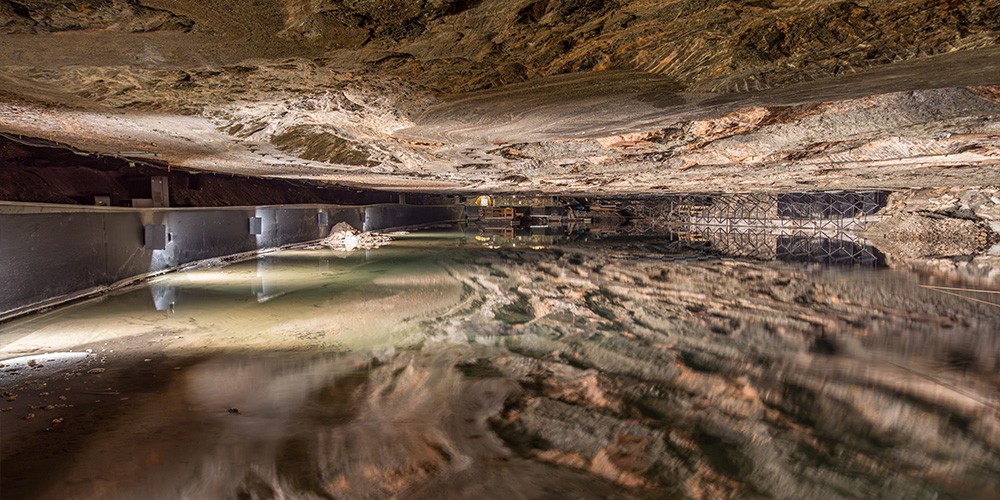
(682, 213)
(762, 225)
(496, 213)
(501, 231)
(827, 250)
(754, 242)
(685, 209)
(684, 234)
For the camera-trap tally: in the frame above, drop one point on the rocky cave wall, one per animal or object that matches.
(566, 95)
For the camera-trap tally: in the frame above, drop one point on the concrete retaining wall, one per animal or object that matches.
(52, 254)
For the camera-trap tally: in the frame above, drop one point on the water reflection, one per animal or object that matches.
(627, 367)
(821, 228)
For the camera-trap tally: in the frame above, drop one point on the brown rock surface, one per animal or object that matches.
(627, 370)
(625, 97)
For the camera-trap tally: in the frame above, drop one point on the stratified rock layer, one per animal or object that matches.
(566, 95)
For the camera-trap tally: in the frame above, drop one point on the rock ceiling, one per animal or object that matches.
(548, 95)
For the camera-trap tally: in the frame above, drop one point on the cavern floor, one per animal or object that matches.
(618, 367)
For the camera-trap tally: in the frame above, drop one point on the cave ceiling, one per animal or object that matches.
(561, 96)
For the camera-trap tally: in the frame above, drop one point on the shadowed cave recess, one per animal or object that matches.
(499, 249)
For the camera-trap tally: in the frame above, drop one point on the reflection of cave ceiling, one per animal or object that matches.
(566, 95)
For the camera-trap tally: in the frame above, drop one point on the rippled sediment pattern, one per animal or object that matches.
(436, 368)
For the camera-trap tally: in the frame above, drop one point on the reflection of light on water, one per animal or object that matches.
(208, 277)
(46, 357)
(164, 296)
(429, 235)
(275, 301)
(57, 334)
(43, 364)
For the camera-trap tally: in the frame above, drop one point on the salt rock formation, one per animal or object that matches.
(623, 97)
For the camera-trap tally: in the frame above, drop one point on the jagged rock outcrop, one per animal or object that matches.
(49, 16)
(624, 96)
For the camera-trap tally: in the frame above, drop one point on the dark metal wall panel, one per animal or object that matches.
(123, 244)
(295, 225)
(43, 255)
(381, 217)
(205, 234)
(354, 216)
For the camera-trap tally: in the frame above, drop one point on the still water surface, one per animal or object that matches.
(435, 367)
